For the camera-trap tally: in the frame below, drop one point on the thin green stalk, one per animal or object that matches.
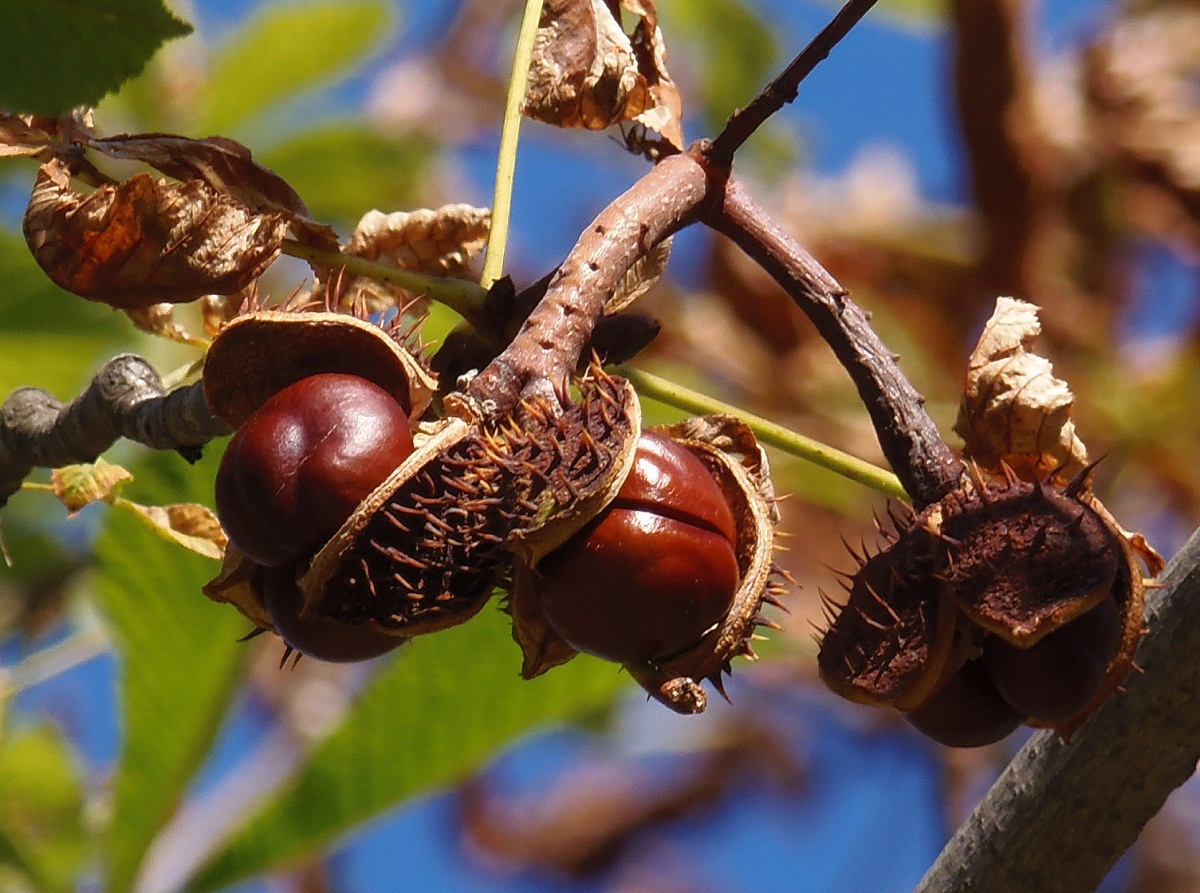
(461, 295)
(664, 391)
(506, 163)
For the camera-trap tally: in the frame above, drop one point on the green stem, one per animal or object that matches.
(461, 295)
(506, 163)
(664, 391)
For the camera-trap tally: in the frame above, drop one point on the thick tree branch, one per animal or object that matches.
(910, 439)
(547, 348)
(1090, 799)
(125, 399)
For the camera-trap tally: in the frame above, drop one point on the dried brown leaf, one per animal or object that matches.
(26, 136)
(146, 241)
(234, 585)
(159, 319)
(189, 524)
(229, 168)
(1014, 410)
(77, 486)
(216, 310)
(640, 278)
(439, 242)
(587, 72)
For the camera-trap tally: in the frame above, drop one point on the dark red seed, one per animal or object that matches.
(966, 711)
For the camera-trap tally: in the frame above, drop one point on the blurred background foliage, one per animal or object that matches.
(994, 148)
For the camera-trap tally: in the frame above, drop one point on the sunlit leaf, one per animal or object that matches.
(285, 49)
(77, 486)
(64, 53)
(179, 661)
(441, 708)
(439, 241)
(188, 524)
(228, 167)
(1014, 410)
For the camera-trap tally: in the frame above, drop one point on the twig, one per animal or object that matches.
(910, 439)
(126, 398)
(1090, 799)
(769, 433)
(784, 88)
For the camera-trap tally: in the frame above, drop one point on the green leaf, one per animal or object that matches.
(286, 49)
(62, 53)
(345, 170)
(443, 706)
(178, 654)
(42, 833)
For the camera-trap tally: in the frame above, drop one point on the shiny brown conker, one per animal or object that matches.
(966, 711)
(297, 468)
(1060, 674)
(655, 570)
(317, 637)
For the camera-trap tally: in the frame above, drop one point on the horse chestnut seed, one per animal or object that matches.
(297, 468)
(655, 570)
(966, 711)
(1060, 674)
(318, 637)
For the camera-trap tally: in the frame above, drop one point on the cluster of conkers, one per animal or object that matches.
(1008, 602)
(669, 578)
(321, 422)
(291, 476)
(351, 535)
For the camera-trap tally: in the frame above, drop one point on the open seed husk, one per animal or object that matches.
(233, 585)
(898, 636)
(261, 352)
(426, 549)
(1025, 558)
(730, 452)
(1129, 589)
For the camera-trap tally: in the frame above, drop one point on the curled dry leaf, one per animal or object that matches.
(26, 136)
(229, 168)
(146, 241)
(640, 278)
(1014, 410)
(159, 319)
(188, 524)
(587, 72)
(439, 242)
(77, 486)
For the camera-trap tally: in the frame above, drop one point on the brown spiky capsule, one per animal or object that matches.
(702, 485)
(426, 549)
(1024, 595)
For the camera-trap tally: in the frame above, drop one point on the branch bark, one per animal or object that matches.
(1061, 815)
(126, 398)
(910, 439)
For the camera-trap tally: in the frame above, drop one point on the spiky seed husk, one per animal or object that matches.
(1026, 558)
(739, 466)
(892, 641)
(426, 549)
